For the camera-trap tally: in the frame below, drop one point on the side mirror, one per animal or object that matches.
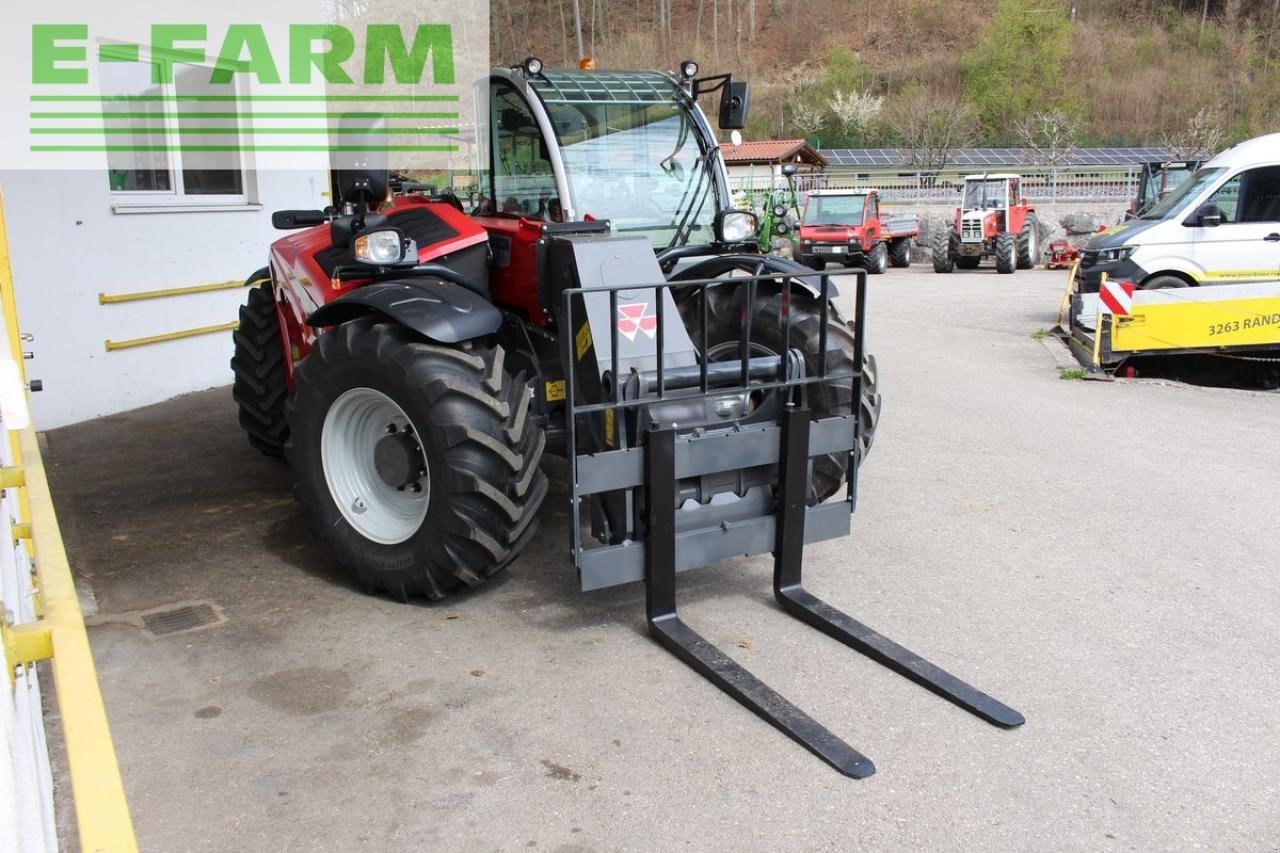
(1206, 216)
(788, 169)
(288, 220)
(735, 100)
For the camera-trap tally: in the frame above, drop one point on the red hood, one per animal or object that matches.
(830, 232)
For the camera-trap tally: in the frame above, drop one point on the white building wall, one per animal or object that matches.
(755, 175)
(68, 245)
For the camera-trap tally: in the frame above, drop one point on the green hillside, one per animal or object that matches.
(913, 72)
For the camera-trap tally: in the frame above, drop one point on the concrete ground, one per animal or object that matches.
(1102, 556)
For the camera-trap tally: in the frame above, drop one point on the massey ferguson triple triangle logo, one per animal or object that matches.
(633, 319)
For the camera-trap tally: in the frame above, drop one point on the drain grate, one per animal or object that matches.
(186, 617)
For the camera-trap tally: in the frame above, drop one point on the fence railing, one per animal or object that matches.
(1043, 186)
(40, 620)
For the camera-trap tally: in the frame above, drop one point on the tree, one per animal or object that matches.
(1200, 137)
(1051, 136)
(1018, 63)
(854, 112)
(806, 116)
(930, 126)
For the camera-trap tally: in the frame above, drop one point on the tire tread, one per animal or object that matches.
(260, 386)
(492, 482)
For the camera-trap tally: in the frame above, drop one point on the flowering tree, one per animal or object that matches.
(1200, 137)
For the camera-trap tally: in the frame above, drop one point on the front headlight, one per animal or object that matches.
(383, 247)
(1111, 256)
(735, 226)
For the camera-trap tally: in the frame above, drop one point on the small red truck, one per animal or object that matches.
(848, 227)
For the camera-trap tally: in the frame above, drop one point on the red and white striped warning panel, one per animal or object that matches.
(1116, 297)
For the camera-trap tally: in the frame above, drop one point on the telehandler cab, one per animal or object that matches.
(598, 298)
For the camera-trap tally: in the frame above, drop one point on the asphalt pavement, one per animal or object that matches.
(1101, 556)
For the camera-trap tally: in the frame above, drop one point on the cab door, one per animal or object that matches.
(519, 192)
(1246, 245)
(871, 222)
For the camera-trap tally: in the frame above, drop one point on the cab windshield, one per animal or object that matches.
(834, 210)
(984, 194)
(1163, 182)
(1174, 201)
(638, 161)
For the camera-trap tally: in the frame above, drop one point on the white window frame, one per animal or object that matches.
(174, 199)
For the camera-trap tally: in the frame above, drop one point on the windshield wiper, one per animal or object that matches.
(698, 196)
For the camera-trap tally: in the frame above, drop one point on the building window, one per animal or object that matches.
(176, 142)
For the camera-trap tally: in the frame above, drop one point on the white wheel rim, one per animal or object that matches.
(1031, 243)
(377, 510)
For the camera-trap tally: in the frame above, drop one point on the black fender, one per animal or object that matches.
(799, 275)
(441, 311)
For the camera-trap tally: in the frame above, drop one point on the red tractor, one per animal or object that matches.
(597, 298)
(994, 220)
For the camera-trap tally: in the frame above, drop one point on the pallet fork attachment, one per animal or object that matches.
(671, 455)
(667, 628)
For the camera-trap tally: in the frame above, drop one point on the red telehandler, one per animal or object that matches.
(413, 363)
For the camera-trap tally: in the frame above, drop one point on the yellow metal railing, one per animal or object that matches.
(102, 813)
(170, 336)
(139, 295)
(1066, 296)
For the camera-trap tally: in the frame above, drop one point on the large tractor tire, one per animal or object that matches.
(900, 253)
(1006, 253)
(260, 386)
(877, 260)
(943, 260)
(418, 462)
(724, 330)
(969, 262)
(1028, 244)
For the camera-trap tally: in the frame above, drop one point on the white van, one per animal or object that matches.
(1221, 226)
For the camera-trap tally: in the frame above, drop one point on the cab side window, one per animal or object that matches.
(523, 180)
(873, 208)
(1260, 195)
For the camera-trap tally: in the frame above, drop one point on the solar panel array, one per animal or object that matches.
(992, 158)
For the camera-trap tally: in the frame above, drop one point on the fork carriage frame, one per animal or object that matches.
(663, 544)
